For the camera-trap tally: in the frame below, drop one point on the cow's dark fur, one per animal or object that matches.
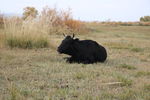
(82, 51)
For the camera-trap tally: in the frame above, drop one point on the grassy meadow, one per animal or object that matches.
(43, 74)
(32, 69)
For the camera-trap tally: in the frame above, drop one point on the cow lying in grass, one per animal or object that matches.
(82, 51)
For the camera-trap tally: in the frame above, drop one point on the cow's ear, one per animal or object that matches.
(76, 39)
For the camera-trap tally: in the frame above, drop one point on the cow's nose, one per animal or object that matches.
(58, 49)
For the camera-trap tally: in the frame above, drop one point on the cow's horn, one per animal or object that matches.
(73, 35)
(64, 35)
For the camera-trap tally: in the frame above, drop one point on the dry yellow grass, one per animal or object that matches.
(34, 32)
(24, 34)
(37, 74)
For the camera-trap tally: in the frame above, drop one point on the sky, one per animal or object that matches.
(86, 10)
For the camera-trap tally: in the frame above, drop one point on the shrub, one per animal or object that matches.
(29, 11)
(145, 19)
(76, 25)
(61, 21)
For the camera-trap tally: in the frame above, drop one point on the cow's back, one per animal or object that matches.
(92, 49)
(98, 51)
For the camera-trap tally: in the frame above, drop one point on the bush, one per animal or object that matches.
(145, 19)
(29, 12)
(61, 21)
(76, 26)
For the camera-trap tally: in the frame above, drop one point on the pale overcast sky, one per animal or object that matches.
(88, 10)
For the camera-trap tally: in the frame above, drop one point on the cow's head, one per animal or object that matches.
(67, 45)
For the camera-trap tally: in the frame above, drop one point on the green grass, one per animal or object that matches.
(128, 95)
(125, 81)
(43, 74)
(126, 66)
(80, 75)
(147, 87)
(137, 49)
(142, 73)
(14, 42)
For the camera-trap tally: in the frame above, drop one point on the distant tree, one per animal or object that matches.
(145, 19)
(29, 12)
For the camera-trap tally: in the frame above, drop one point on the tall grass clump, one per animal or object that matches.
(33, 32)
(25, 33)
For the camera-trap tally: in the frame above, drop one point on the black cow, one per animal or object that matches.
(82, 51)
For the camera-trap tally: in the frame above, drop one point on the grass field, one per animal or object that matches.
(43, 74)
